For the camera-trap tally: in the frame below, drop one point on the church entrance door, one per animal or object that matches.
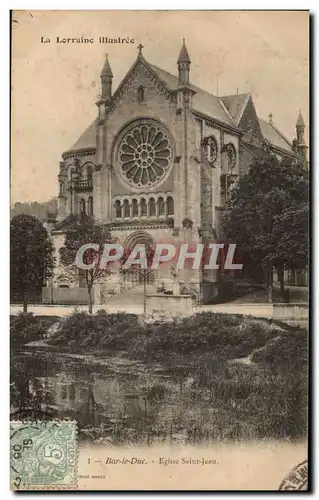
(137, 275)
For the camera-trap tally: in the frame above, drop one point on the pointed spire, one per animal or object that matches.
(183, 55)
(300, 121)
(106, 71)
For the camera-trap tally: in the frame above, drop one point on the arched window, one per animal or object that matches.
(118, 209)
(89, 173)
(210, 145)
(160, 206)
(143, 207)
(152, 207)
(126, 206)
(82, 206)
(71, 392)
(134, 208)
(61, 188)
(71, 173)
(170, 206)
(90, 206)
(141, 94)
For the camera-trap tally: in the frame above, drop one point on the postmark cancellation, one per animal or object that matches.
(43, 455)
(297, 479)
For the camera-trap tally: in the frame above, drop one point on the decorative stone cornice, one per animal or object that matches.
(138, 227)
(79, 153)
(214, 123)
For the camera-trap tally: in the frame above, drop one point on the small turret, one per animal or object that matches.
(183, 63)
(300, 131)
(106, 79)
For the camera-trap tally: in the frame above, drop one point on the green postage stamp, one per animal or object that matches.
(43, 455)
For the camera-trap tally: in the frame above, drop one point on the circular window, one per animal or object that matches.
(144, 154)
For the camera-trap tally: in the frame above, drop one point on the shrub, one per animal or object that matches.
(25, 327)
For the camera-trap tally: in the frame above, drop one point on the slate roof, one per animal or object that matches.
(235, 105)
(226, 109)
(203, 101)
(87, 140)
(300, 121)
(272, 134)
(106, 70)
(183, 55)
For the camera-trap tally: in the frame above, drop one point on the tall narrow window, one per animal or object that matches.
(152, 207)
(170, 206)
(82, 206)
(223, 189)
(160, 206)
(90, 206)
(134, 208)
(118, 209)
(71, 392)
(143, 207)
(126, 206)
(141, 94)
(210, 145)
(64, 392)
(89, 173)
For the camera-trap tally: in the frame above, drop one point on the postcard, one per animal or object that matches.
(159, 250)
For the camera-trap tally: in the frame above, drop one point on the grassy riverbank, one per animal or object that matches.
(250, 376)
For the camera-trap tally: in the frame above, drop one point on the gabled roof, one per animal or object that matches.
(272, 134)
(226, 109)
(235, 105)
(203, 101)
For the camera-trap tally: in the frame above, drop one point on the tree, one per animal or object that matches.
(32, 259)
(267, 215)
(40, 210)
(85, 232)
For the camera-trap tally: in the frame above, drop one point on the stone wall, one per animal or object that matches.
(72, 295)
(293, 314)
(170, 304)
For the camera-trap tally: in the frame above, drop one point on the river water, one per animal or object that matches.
(114, 400)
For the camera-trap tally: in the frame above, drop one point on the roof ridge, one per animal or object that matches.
(235, 95)
(248, 96)
(223, 105)
(277, 130)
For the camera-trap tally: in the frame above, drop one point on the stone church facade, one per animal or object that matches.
(157, 163)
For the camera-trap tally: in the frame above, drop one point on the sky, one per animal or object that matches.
(55, 85)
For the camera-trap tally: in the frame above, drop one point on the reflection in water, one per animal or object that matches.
(116, 407)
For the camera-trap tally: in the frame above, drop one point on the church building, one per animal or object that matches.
(157, 163)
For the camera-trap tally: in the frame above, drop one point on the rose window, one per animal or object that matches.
(145, 155)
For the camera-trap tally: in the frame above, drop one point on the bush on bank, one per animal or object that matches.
(264, 399)
(222, 335)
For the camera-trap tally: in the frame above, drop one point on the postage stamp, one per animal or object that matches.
(43, 455)
(297, 479)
